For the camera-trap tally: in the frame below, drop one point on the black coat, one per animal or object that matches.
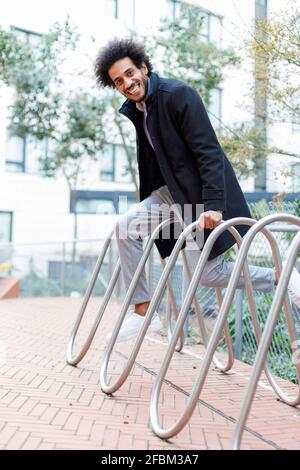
(188, 156)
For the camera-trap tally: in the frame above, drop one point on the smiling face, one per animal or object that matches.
(128, 79)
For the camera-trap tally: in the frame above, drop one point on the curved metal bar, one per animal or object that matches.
(195, 300)
(228, 341)
(73, 359)
(217, 362)
(171, 300)
(105, 386)
(111, 388)
(265, 343)
(292, 401)
(220, 323)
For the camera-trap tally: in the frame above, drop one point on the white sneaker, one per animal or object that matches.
(132, 326)
(156, 324)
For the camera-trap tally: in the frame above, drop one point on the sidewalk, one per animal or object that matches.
(46, 404)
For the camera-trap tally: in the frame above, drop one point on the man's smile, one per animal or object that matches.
(135, 89)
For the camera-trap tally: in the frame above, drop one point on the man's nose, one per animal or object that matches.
(128, 83)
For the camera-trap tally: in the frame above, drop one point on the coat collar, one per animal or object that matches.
(129, 108)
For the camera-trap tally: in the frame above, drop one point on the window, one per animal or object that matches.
(204, 33)
(6, 226)
(111, 8)
(107, 160)
(295, 177)
(123, 10)
(175, 9)
(114, 164)
(215, 109)
(211, 30)
(296, 126)
(15, 154)
(215, 30)
(95, 206)
(101, 202)
(34, 150)
(27, 36)
(23, 154)
(122, 174)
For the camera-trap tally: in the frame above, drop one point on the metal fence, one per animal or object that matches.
(64, 269)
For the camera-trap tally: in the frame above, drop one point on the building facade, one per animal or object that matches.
(34, 208)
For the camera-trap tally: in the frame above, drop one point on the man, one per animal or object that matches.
(180, 162)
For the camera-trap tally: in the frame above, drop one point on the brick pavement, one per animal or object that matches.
(46, 404)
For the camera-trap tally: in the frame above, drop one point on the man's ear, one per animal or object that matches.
(144, 68)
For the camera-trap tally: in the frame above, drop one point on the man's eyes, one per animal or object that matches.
(119, 81)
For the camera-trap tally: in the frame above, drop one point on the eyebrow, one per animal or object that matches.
(127, 70)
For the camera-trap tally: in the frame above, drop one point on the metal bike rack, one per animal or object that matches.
(74, 359)
(111, 388)
(164, 280)
(240, 264)
(265, 342)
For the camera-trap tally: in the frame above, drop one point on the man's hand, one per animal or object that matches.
(210, 219)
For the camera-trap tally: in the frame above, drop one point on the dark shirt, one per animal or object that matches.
(153, 169)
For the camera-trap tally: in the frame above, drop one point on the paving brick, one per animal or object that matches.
(39, 410)
(7, 433)
(111, 438)
(72, 422)
(32, 443)
(47, 446)
(49, 414)
(61, 418)
(18, 439)
(85, 427)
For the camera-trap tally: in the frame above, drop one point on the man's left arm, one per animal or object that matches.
(202, 141)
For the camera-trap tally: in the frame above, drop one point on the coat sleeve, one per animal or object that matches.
(199, 136)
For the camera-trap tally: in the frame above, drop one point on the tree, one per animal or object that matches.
(280, 50)
(71, 120)
(181, 52)
(185, 55)
(274, 45)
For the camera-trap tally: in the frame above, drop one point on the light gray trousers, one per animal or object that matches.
(139, 222)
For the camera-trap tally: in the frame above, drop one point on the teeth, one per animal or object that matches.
(134, 90)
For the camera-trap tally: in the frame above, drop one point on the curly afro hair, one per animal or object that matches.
(115, 50)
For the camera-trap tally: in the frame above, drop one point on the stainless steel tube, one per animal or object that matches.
(72, 358)
(215, 337)
(265, 342)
